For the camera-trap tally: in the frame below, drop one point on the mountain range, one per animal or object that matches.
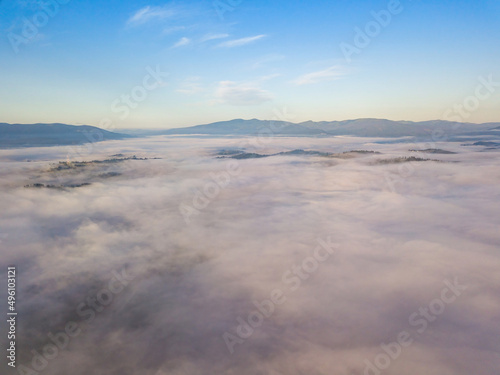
(37, 135)
(359, 128)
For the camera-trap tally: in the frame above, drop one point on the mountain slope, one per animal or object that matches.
(359, 127)
(37, 135)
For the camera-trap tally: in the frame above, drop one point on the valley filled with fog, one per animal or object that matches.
(289, 255)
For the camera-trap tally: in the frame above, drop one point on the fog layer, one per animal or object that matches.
(349, 255)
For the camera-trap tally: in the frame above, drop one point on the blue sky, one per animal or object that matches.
(193, 62)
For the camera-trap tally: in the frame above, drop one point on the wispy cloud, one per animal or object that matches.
(241, 94)
(190, 86)
(149, 13)
(269, 77)
(330, 74)
(208, 37)
(182, 42)
(267, 60)
(242, 41)
(173, 29)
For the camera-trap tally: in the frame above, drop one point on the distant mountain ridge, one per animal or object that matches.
(40, 135)
(359, 127)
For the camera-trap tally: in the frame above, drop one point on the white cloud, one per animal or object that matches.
(182, 42)
(241, 94)
(208, 37)
(332, 73)
(241, 42)
(149, 13)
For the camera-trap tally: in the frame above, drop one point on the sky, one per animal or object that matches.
(156, 64)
